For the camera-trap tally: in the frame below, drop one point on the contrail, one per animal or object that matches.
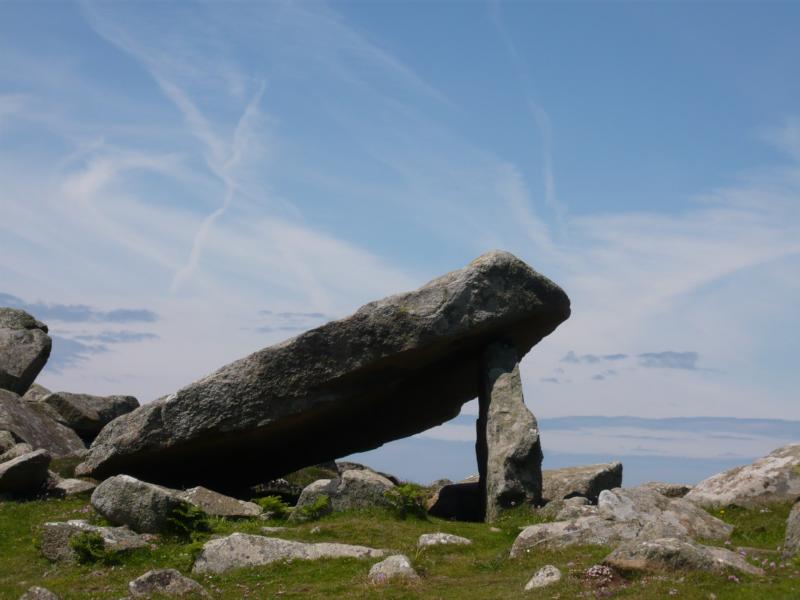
(202, 131)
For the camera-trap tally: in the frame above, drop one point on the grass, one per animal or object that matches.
(482, 570)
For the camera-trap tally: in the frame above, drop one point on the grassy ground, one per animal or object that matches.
(482, 570)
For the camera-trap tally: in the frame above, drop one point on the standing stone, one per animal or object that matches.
(792, 544)
(28, 422)
(24, 349)
(396, 367)
(508, 448)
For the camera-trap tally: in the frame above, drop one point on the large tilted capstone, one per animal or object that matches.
(396, 367)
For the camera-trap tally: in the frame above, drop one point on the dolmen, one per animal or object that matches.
(396, 367)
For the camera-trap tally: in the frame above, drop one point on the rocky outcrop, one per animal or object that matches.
(672, 554)
(397, 566)
(507, 446)
(85, 414)
(218, 505)
(426, 540)
(587, 481)
(547, 575)
(396, 367)
(625, 514)
(25, 474)
(31, 423)
(771, 479)
(166, 583)
(243, 550)
(24, 349)
(142, 506)
(659, 516)
(56, 536)
(792, 544)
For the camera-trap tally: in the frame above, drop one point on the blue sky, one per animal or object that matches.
(186, 183)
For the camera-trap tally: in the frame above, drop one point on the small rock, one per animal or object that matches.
(16, 451)
(358, 489)
(55, 544)
(441, 539)
(792, 544)
(587, 481)
(219, 505)
(354, 466)
(142, 506)
(166, 582)
(243, 550)
(310, 494)
(62, 488)
(397, 566)
(39, 593)
(771, 479)
(24, 474)
(269, 530)
(545, 576)
(672, 554)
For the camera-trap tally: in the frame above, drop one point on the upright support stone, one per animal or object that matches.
(508, 449)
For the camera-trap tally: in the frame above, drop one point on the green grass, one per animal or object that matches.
(481, 571)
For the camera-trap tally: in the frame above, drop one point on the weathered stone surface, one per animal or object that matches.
(584, 531)
(287, 491)
(792, 544)
(457, 501)
(30, 423)
(56, 536)
(396, 566)
(773, 478)
(587, 481)
(396, 367)
(85, 414)
(343, 466)
(142, 506)
(24, 474)
(15, 451)
(62, 488)
(36, 393)
(354, 490)
(507, 446)
(39, 593)
(670, 490)
(660, 516)
(672, 554)
(166, 582)
(310, 494)
(243, 550)
(547, 575)
(626, 514)
(219, 505)
(575, 507)
(24, 349)
(426, 540)
(7, 441)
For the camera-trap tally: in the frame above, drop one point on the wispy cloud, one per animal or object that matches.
(73, 313)
(669, 360)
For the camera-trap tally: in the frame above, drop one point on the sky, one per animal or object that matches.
(185, 183)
